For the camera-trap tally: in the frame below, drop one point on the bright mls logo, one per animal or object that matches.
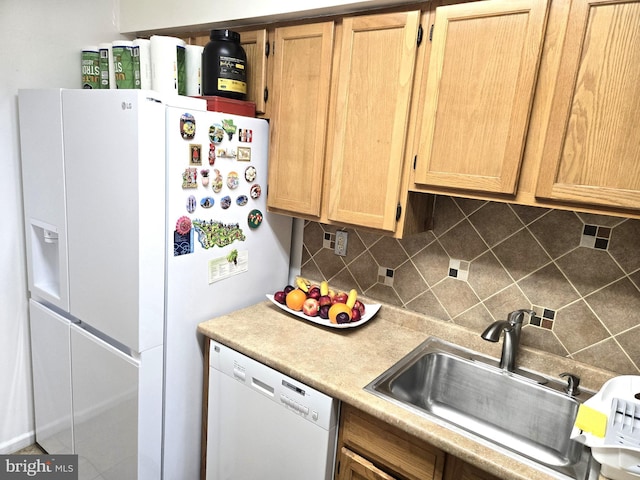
(49, 467)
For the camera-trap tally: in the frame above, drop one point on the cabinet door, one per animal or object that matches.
(254, 43)
(478, 94)
(591, 153)
(374, 85)
(354, 467)
(299, 106)
(456, 469)
(388, 447)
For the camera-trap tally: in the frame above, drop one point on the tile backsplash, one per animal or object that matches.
(579, 272)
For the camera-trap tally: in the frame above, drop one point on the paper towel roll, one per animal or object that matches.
(91, 67)
(165, 64)
(193, 69)
(107, 75)
(124, 64)
(144, 53)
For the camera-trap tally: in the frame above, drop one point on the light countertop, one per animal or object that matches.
(341, 362)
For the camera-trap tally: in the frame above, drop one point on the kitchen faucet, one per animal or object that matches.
(512, 328)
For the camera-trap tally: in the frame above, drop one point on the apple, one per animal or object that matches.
(360, 306)
(331, 294)
(324, 300)
(310, 307)
(355, 314)
(340, 298)
(280, 297)
(324, 311)
(288, 288)
(314, 292)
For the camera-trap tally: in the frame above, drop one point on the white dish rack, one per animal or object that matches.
(619, 450)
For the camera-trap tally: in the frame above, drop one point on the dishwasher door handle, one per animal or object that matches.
(262, 386)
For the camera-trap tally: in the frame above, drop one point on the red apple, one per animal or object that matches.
(340, 298)
(288, 288)
(280, 297)
(360, 306)
(314, 292)
(355, 314)
(324, 300)
(310, 307)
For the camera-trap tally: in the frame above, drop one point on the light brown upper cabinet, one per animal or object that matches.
(480, 82)
(299, 105)
(374, 84)
(592, 149)
(254, 43)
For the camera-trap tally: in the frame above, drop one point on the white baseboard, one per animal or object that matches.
(18, 443)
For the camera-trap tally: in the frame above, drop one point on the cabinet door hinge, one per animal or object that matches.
(420, 32)
(398, 212)
(267, 49)
(265, 95)
(431, 33)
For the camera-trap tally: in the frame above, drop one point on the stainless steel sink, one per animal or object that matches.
(523, 413)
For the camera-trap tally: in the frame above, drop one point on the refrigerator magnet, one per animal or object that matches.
(204, 173)
(255, 191)
(229, 128)
(182, 237)
(191, 204)
(212, 154)
(214, 233)
(244, 154)
(254, 218)
(187, 126)
(182, 244)
(242, 200)
(232, 180)
(207, 202)
(195, 154)
(190, 178)
(216, 133)
(225, 202)
(217, 181)
(246, 135)
(250, 173)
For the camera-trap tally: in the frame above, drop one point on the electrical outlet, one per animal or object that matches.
(341, 243)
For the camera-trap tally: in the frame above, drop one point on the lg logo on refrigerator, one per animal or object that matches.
(126, 106)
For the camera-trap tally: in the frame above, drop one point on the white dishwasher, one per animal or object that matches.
(264, 425)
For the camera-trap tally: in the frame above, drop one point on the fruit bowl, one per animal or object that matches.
(370, 311)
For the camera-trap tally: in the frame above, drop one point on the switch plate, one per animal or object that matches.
(341, 243)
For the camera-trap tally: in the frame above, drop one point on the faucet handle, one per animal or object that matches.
(573, 382)
(517, 316)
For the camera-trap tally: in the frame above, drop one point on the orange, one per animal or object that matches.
(337, 308)
(295, 299)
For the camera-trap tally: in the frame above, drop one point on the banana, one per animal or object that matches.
(324, 288)
(351, 299)
(303, 284)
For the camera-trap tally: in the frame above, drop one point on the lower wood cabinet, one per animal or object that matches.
(370, 449)
(456, 469)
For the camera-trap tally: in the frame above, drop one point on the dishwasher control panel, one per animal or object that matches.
(307, 402)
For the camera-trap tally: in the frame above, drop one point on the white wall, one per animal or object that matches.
(149, 15)
(41, 41)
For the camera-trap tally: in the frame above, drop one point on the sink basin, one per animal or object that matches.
(521, 413)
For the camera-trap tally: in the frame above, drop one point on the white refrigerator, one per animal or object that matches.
(145, 214)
